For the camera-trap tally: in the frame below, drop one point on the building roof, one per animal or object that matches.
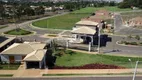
(36, 55)
(6, 40)
(23, 48)
(84, 30)
(87, 22)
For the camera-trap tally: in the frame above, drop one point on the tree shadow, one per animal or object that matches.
(50, 59)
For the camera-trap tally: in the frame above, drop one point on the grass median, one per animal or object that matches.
(6, 75)
(18, 32)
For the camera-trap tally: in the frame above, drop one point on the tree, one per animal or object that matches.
(29, 11)
(39, 10)
(20, 11)
(137, 37)
(130, 37)
(2, 11)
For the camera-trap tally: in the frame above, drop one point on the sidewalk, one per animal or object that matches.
(39, 73)
(88, 71)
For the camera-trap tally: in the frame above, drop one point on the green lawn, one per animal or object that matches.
(71, 59)
(18, 32)
(1, 27)
(67, 21)
(6, 75)
(9, 66)
(92, 9)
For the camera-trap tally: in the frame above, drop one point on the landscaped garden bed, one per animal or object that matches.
(6, 66)
(91, 66)
(18, 31)
(130, 43)
(52, 35)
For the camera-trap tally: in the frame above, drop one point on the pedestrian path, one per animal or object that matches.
(88, 71)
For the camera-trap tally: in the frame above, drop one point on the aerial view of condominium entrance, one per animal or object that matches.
(70, 39)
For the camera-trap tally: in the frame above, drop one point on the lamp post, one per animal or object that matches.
(131, 62)
(134, 75)
(99, 26)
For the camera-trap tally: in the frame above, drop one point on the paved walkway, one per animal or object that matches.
(22, 72)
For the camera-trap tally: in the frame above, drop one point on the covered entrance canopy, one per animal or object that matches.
(85, 32)
(36, 59)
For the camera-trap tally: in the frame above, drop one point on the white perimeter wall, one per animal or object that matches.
(5, 58)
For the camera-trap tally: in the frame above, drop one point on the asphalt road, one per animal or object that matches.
(76, 78)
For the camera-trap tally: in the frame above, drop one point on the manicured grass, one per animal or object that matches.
(6, 75)
(18, 32)
(52, 35)
(92, 9)
(1, 27)
(67, 21)
(70, 59)
(9, 66)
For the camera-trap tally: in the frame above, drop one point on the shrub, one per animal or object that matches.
(133, 43)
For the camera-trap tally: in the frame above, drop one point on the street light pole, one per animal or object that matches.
(99, 26)
(113, 32)
(134, 75)
(131, 62)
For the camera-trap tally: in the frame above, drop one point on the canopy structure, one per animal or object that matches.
(84, 30)
(87, 23)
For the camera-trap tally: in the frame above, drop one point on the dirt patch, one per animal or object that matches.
(91, 66)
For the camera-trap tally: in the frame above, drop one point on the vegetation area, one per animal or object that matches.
(9, 66)
(18, 31)
(6, 75)
(131, 43)
(130, 3)
(88, 74)
(70, 59)
(67, 21)
(1, 27)
(52, 35)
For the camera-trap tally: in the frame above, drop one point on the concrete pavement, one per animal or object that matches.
(39, 73)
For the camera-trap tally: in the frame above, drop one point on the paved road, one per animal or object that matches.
(121, 29)
(120, 32)
(76, 78)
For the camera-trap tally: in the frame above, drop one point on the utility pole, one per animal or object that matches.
(99, 26)
(135, 70)
(113, 32)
